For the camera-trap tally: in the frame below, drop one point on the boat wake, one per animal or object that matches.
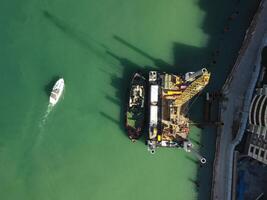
(42, 125)
(48, 111)
(56, 93)
(45, 116)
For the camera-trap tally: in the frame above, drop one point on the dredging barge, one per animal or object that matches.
(167, 106)
(167, 97)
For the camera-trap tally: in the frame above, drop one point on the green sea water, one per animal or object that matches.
(79, 149)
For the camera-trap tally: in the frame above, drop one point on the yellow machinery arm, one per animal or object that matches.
(195, 87)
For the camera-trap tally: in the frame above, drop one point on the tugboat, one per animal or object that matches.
(135, 114)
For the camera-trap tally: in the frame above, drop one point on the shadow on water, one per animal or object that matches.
(193, 160)
(112, 119)
(121, 84)
(79, 37)
(49, 86)
(264, 56)
(225, 23)
(157, 62)
(196, 142)
(194, 181)
(113, 100)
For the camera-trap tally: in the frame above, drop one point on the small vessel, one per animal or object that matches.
(135, 114)
(57, 91)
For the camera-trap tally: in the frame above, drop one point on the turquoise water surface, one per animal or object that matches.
(79, 149)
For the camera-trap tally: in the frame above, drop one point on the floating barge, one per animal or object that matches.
(168, 97)
(135, 115)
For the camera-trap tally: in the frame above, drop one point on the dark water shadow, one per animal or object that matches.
(264, 65)
(195, 182)
(114, 100)
(163, 65)
(48, 88)
(122, 88)
(225, 23)
(81, 38)
(264, 56)
(110, 118)
(193, 160)
(196, 142)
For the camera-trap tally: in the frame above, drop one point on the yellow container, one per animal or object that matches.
(159, 138)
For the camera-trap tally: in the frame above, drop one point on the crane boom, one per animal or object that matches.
(195, 87)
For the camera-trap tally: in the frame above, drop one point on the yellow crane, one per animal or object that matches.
(195, 87)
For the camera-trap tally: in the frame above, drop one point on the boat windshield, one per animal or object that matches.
(53, 95)
(56, 90)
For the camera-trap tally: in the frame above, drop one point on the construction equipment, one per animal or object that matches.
(168, 121)
(188, 147)
(194, 87)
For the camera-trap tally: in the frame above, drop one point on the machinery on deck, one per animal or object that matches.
(168, 99)
(197, 81)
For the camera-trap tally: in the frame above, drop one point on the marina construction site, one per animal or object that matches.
(169, 96)
(184, 50)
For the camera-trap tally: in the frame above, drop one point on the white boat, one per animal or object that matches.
(56, 92)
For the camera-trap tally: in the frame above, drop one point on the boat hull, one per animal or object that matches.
(135, 113)
(56, 92)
